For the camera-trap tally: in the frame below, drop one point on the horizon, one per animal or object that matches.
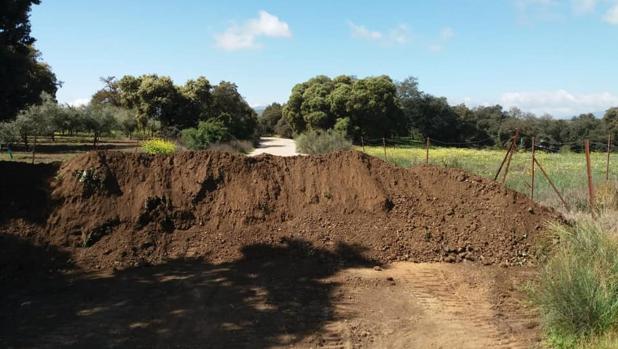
(551, 56)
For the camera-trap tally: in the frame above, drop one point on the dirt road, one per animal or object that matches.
(275, 146)
(269, 302)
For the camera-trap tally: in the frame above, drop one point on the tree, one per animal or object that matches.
(23, 77)
(611, 122)
(197, 96)
(374, 110)
(9, 133)
(109, 94)
(270, 117)
(36, 120)
(126, 122)
(283, 128)
(370, 105)
(99, 120)
(231, 108)
(160, 100)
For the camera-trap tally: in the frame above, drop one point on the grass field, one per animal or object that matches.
(567, 170)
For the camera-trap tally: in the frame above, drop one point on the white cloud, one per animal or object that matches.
(583, 6)
(559, 103)
(79, 102)
(361, 32)
(398, 35)
(611, 16)
(532, 11)
(244, 36)
(446, 34)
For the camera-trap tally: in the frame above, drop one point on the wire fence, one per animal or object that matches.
(533, 163)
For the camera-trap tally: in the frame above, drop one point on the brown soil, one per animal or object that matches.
(217, 250)
(113, 209)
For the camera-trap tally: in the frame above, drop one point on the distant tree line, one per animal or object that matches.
(197, 112)
(153, 98)
(377, 107)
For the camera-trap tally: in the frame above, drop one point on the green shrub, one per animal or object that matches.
(283, 128)
(233, 146)
(158, 146)
(206, 133)
(320, 142)
(577, 291)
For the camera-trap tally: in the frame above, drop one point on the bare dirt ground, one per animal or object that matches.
(279, 302)
(216, 250)
(275, 146)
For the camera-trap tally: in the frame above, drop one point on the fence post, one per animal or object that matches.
(505, 157)
(552, 184)
(427, 151)
(513, 149)
(609, 149)
(363, 144)
(384, 144)
(533, 163)
(589, 174)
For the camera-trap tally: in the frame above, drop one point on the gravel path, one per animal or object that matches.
(275, 146)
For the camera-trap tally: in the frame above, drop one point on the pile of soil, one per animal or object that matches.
(117, 210)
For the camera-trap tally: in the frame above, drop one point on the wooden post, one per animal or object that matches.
(609, 150)
(384, 144)
(552, 184)
(427, 151)
(363, 144)
(589, 174)
(533, 161)
(513, 150)
(505, 156)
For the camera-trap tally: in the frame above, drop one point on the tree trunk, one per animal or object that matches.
(33, 149)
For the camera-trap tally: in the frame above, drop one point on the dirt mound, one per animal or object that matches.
(115, 209)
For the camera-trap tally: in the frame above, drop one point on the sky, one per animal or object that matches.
(543, 56)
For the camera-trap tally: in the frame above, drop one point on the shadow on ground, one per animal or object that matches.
(272, 296)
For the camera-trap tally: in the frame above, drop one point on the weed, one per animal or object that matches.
(577, 291)
(158, 146)
(320, 142)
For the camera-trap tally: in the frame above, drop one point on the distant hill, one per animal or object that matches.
(259, 109)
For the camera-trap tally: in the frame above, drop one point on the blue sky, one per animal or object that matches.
(540, 55)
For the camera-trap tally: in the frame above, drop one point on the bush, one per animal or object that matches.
(233, 146)
(206, 133)
(158, 146)
(577, 291)
(320, 142)
(283, 128)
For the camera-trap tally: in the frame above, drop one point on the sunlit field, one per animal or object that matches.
(567, 170)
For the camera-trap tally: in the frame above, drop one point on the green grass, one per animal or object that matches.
(577, 289)
(567, 170)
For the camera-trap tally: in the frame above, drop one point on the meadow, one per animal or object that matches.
(567, 170)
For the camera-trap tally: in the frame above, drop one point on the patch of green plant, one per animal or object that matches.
(206, 133)
(158, 146)
(321, 142)
(91, 180)
(577, 290)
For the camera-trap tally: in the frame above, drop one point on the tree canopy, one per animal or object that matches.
(23, 77)
(377, 107)
(155, 98)
(370, 106)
